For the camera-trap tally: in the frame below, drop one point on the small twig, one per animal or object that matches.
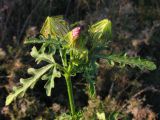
(151, 88)
(120, 93)
(111, 90)
(5, 76)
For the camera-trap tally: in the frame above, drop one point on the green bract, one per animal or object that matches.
(101, 31)
(61, 58)
(55, 26)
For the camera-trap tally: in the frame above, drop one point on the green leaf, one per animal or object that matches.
(114, 116)
(101, 30)
(132, 61)
(27, 83)
(34, 41)
(40, 40)
(55, 26)
(89, 74)
(41, 56)
(79, 60)
(81, 54)
(92, 88)
(50, 83)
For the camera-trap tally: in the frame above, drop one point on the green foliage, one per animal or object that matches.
(27, 83)
(113, 116)
(89, 74)
(50, 80)
(50, 68)
(41, 56)
(65, 56)
(132, 61)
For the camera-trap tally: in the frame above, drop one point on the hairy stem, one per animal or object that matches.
(70, 93)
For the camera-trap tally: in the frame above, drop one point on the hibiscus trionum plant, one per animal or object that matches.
(65, 53)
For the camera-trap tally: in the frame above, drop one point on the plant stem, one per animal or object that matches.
(70, 93)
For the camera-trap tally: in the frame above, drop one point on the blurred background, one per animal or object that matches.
(136, 31)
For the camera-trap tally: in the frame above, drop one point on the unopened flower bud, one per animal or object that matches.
(76, 33)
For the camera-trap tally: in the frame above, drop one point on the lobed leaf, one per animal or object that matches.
(34, 41)
(40, 40)
(41, 56)
(27, 83)
(132, 61)
(50, 83)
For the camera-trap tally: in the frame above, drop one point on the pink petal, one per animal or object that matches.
(76, 32)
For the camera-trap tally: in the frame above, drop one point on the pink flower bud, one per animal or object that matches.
(76, 32)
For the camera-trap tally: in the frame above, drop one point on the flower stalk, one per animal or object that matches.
(70, 93)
